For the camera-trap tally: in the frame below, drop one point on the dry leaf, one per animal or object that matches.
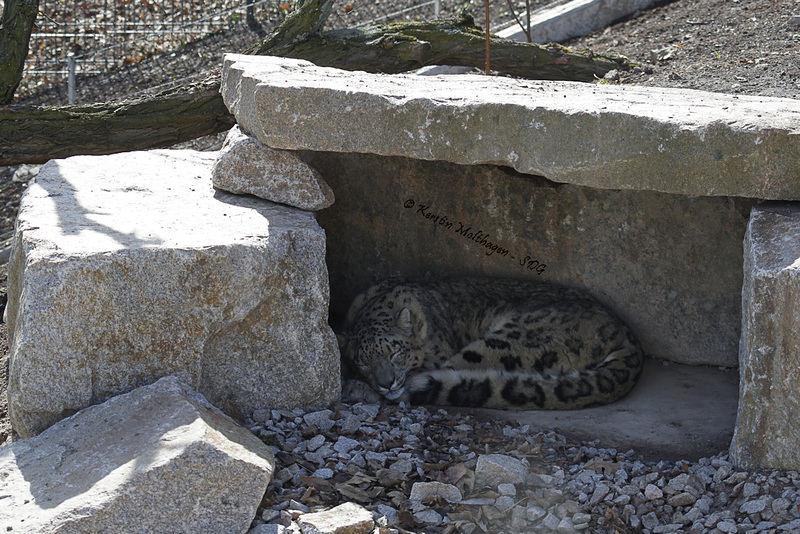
(601, 466)
(353, 493)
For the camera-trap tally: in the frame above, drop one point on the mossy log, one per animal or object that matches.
(37, 134)
(401, 47)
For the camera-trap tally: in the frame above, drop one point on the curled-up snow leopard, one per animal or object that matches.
(490, 343)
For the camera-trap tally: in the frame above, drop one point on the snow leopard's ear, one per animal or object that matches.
(364, 297)
(404, 320)
(413, 323)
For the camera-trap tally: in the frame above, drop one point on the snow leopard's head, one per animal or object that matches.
(383, 343)
(382, 352)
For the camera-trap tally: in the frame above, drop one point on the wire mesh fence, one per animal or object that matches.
(85, 51)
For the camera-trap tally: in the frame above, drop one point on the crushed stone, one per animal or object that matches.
(427, 470)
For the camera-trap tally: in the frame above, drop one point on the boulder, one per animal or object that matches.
(130, 267)
(158, 459)
(767, 427)
(604, 136)
(247, 166)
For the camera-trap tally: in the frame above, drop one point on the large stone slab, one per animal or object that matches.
(603, 136)
(158, 459)
(130, 267)
(669, 265)
(767, 427)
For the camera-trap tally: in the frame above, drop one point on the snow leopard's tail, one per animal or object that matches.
(602, 384)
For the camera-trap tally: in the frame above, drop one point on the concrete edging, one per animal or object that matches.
(566, 19)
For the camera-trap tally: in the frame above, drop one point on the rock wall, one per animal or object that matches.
(670, 265)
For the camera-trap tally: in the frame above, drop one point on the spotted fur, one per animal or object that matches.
(490, 343)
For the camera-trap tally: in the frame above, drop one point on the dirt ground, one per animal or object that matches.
(749, 47)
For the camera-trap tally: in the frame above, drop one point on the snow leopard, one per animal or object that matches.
(491, 343)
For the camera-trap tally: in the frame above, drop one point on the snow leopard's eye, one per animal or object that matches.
(398, 358)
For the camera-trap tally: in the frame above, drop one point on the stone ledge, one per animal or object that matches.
(610, 137)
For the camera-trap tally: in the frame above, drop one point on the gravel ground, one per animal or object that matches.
(375, 455)
(422, 470)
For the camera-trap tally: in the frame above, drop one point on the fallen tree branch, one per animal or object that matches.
(36, 134)
(401, 47)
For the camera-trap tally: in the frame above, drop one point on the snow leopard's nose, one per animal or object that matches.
(384, 379)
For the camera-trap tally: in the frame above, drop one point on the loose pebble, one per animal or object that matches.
(417, 470)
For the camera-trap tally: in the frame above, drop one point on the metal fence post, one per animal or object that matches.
(437, 4)
(71, 78)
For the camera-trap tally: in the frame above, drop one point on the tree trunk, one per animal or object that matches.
(15, 33)
(34, 135)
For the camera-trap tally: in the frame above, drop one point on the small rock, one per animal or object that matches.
(650, 520)
(791, 526)
(495, 469)
(379, 457)
(753, 507)
(519, 522)
(504, 503)
(653, 492)
(268, 529)
(347, 518)
(682, 499)
(297, 506)
(315, 443)
(507, 489)
(780, 505)
(323, 473)
(534, 513)
(389, 512)
(727, 525)
(565, 526)
(750, 490)
(366, 411)
(403, 465)
(351, 423)
(551, 522)
(344, 445)
(430, 517)
(261, 415)
(389, 478)
(600, 492)
(322, 419)
(438, 490)
(581, 517)
(269, 515)
(668, 529)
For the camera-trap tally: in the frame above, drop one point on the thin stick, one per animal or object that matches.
(486, 2)
(527, 32)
